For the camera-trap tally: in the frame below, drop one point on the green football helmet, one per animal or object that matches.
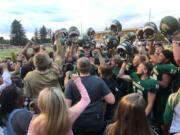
(125, 50)
(149, 31)
(140, 34)
(115, 26)
(91, 33)
(168, 26)
(84, 41)
(63, 36)
(73, 35)
(64, 32)
(73, 31)
(111, 41)
(131, 36)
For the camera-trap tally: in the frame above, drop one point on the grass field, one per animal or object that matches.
(5, 53)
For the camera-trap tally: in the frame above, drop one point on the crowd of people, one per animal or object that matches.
(125, 85)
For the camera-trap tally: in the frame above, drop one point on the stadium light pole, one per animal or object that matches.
(149, 14)
(81, 28)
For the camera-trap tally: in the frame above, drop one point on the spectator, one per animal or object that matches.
(130, 118)
(172, 113)
(46, 72)
(92, 119)
(55, 117)
(13, 117)
(6, 76)
(106, 74)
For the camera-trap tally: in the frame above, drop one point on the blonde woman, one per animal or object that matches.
(55, 117)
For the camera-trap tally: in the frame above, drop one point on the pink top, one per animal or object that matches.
(74, 111)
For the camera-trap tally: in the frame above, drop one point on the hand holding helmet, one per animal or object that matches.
(125, 50)
(140, 34)
(149, 31)
(73, 36)
(84, 41)
(130, 37)
(91, 33)
(111, 41)
(170, 28)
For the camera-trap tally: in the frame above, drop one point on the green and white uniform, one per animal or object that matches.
(160, 69)
(144, 86)
(163, 93)
(115, 71)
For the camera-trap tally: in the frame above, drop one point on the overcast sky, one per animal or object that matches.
(56, 14)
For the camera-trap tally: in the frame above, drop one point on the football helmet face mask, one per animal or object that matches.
(140, 34)
(73, 35)
(130, 37)
(84, 41)
(111, 41)
(91, 33)
(125, 50)
(64, 32)
(115, 26)
(149, 31)
(64, 36)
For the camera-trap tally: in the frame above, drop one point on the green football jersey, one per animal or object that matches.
(160, 69)
(115, 71)
(163, 93)
(144, 86)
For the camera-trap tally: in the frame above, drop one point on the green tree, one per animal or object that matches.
(1, 40)
(43, 34)
(49, 35)
(36, 36)
(17, 36)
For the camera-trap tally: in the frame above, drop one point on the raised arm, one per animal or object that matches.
(58, 44)
(78, 108)
(122, 74)
(165, 81)
(101, 58)
(24, 50)
(60, 50)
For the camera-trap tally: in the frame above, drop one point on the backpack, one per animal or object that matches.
(91, 120)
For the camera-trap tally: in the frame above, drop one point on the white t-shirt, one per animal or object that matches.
(175, 125)
(6, 80)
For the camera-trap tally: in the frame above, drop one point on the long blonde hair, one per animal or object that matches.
(54, 114)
